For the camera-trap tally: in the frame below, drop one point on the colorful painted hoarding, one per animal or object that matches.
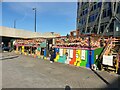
(77, 57)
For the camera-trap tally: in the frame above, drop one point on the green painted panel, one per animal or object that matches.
(83, 62)
(43, 44)
(96, 54)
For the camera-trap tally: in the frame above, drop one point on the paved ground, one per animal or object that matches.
(28, 72)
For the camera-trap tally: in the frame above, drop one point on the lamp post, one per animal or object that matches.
(35, 18)
(15, 23)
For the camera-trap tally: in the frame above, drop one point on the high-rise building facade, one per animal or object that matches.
(99, 18)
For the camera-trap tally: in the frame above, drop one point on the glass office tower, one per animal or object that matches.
(95, 17)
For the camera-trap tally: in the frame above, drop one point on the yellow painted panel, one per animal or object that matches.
(57, 57)
(78, 59)
(22, 49)
(64, 51)
(78, 64)
(75, 63)
(45, 58)
(17, 48)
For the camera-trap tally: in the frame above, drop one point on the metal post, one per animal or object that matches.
(77, 12)
(14, 23)
(35, 19)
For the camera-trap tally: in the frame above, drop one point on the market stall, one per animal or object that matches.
(32, 47)
(78, 51)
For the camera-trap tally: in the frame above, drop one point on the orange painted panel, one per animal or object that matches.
(74, 57)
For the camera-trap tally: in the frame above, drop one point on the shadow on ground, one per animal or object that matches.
(12, 57)
(115, 84)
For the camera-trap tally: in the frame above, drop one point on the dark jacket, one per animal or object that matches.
(52, 56)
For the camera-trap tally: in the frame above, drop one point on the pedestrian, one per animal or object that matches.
(2, 44)
(52, 56)
(29, 51)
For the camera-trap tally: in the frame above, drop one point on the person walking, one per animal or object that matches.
(52, 56)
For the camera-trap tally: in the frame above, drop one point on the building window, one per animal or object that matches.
(109, 4)
(86, 11)
(104, 13)
(105, 26)
(92, 8)
(83, 12)
(93, 30)
(79, 22)
(95, 6)
(111, 27)
(82, 21)
(118, 9)
(99, 4)
(109, 12)
(91, 18)
(96, 15)
(117, 29)
(83, 30)
(88, 29)
(101, 29)
(82, 3)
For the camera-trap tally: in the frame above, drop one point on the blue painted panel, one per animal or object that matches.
(45, 53)
(90, 59)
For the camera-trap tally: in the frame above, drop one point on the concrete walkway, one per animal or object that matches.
(28, 72)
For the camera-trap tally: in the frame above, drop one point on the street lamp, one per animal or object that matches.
(15, 23)
(35, 18)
